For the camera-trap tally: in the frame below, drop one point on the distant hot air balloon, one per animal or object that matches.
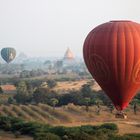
(112, 55)
(8, 54)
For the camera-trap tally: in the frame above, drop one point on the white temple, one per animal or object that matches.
(68, 54)
(68, 59)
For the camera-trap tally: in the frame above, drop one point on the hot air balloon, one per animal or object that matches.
(8, 54)
(112, 55)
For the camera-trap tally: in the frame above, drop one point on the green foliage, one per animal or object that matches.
(46, 136)
(22, 95)
(11, 100)
(82, 136)
(31, 73)
(87, 101)
(45, 95)
(54, 102)
(39, 131)
(109, 126)
(126, 137)
(5, 123)
(58, 130)
(51, 83)
(32, 92)
(23, 98)
(89, 129)
(86, 90)
(41, 95)
(21, 87)
(135, 101)
(30, 128)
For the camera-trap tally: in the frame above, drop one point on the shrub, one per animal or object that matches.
(17, 126)
(89, 129)
(51, 83)
(72, 131)
(46, 136)
(30, 128)
(82, 136)
(58, 130)
(45, 132)
(5, 123)
(110, 126)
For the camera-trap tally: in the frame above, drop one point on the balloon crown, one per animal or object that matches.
(120, 21)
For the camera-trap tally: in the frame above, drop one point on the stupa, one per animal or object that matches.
(68, 55)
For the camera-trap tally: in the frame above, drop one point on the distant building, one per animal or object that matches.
(68, 59)
(68, 55)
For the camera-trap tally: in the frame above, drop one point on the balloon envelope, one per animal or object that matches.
(112, 55)
(8, 54)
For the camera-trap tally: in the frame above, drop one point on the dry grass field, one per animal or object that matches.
(10, 136)
(10, 90)
(76, 85)
(72, 115)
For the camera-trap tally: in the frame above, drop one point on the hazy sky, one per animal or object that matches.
(48, 27)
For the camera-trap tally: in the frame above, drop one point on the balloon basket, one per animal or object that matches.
(120, 115)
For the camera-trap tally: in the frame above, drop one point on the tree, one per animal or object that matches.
(21, 87)
(22, 95)
(25, 74)
(44, 95)
(135, 102)
(30, 88)
(23, 98)
(86, 90)
(98, 102)
(54, 102)
(135, 108)
(40, 95)
(111, 108)
(1, 90)
(51, 83)
(87, 101)
(11, 100)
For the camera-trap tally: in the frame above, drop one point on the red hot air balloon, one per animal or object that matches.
(112, 55)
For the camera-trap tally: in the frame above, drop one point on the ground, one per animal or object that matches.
(10, 136)
(75, 85)
(72, 115)
(10, 90)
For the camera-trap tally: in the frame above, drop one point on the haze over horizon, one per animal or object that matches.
(48, 27)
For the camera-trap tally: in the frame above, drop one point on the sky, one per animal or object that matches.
(47, 28)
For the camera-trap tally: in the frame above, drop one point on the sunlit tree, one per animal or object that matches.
(98, 103)
(54, 102)
(87, 101)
